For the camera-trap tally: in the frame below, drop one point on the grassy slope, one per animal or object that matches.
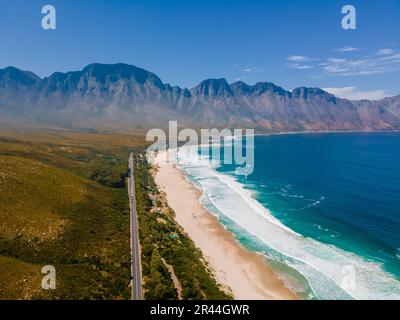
(62, 203)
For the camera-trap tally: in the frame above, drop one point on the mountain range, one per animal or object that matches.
(125, 94)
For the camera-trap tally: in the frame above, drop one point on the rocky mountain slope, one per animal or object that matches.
(132, 96)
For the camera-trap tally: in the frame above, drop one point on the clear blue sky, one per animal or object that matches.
(291, 43)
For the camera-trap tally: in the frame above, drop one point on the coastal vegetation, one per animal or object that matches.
(63, 202)
(173, 267)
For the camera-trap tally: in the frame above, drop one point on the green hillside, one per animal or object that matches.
(63, 202)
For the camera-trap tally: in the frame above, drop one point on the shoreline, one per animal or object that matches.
(284, 133)
(242, 273)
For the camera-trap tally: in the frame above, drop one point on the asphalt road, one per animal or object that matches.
(136, 282)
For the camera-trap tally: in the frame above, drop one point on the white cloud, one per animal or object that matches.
(384, 52)
(246, 69)
(295, 58)
(301, 66)
(379, 62)
(347, 49)
(352, 93)
(364, 66)
(300, 62)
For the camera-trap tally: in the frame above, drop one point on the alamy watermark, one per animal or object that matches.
(49, 280)
(349, 21)
(214, 146)
(49, 21)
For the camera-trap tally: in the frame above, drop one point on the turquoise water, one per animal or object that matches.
(315, 205)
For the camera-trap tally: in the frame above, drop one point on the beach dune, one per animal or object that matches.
(240, 272)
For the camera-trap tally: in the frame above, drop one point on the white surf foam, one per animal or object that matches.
(324, 266)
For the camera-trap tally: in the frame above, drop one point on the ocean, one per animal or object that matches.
(322, 208)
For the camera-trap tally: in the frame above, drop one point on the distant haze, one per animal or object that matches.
(131, 96)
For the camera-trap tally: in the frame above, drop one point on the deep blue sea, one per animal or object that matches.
(324, 209)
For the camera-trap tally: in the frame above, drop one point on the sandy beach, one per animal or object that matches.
(244, 274)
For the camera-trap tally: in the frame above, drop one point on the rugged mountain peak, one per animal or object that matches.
(213, 88)
(124, 92)
(242, 88)
(306, 93)
(101, 77)
(263, 87)
(14, 76)
(114, 72)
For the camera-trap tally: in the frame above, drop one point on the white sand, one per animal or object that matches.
(244, 274)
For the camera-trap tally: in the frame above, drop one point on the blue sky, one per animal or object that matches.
(291, 43)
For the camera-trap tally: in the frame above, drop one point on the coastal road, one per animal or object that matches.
(136, 282)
